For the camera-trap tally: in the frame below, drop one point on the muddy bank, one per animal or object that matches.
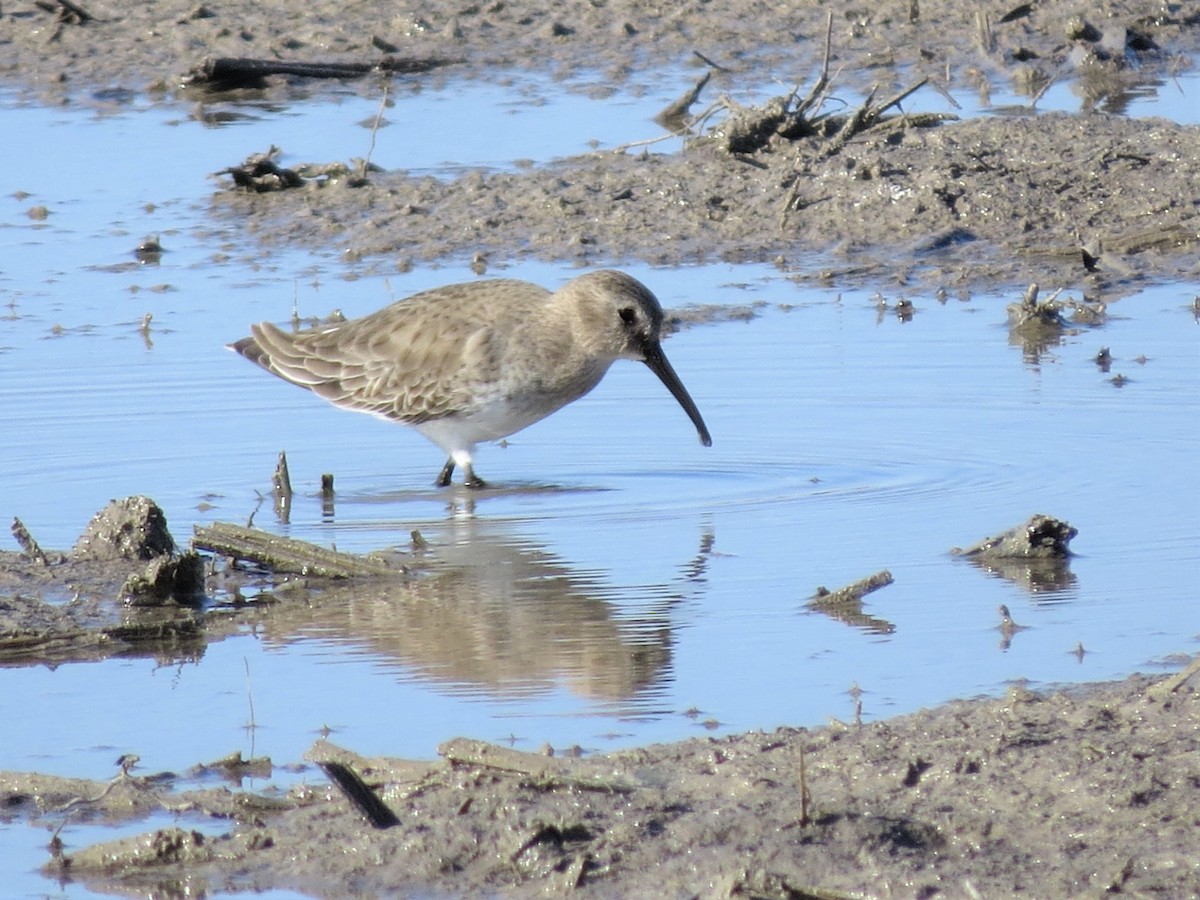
(1082, 792)
(116, 48)
(1094, 201)
(983, 202)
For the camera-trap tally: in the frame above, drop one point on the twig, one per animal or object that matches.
(28, 545)
(281, 480)
(366, 164)
(548, 771)
(224, 73)
(898, 98)
(251, 726)
(846, 603)
(67, 11)
(805, 796)
(358, 792)
(281, 483)
(822, 81)
(708, 62)
(674, 116)
(646, 142)
(852, 126)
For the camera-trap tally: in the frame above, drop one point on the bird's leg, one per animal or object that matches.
(443, 479)
(472, 480)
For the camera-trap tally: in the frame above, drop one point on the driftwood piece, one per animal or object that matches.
(1042, 537)
(1164, 689)
(228, 73)
(846, 603)
(286, 555)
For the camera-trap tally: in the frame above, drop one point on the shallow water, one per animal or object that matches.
(626, 585)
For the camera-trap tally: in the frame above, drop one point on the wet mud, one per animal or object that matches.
(1078, 793)
(1072, 793)
(1093, 200)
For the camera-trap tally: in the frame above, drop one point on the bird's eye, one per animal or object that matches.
(628, 316)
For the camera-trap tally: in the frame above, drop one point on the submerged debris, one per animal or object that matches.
(1008, 627)
(179, 578)
(1037, 325)
(149, 251)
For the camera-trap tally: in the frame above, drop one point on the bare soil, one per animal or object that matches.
(1001, 199)
(1076, 793)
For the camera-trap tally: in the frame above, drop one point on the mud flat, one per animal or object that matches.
(1092, 200)
(1075, 793)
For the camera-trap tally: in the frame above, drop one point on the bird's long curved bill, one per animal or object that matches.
(659, 366)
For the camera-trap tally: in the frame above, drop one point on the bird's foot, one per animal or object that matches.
(443, 479)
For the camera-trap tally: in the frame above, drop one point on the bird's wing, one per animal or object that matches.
(432, 355)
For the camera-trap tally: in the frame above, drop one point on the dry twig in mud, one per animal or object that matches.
(1032, 318)
(1164, 689)
(749, 130)
(547, 771)
(816, 96)
(869, 115)
(68, 12)
(225, 73)
(28, 545)
(674, 117)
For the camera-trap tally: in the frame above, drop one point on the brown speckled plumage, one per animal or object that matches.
(478, 361)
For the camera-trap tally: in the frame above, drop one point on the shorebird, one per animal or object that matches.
(475, 362)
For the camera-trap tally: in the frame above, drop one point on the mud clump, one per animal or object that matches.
(133, 528)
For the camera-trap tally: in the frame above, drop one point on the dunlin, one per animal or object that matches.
(475, 362)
